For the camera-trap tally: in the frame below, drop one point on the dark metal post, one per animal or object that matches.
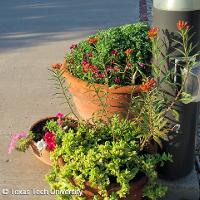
(166, 14)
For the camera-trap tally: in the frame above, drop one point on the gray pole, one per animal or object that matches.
(166, 14)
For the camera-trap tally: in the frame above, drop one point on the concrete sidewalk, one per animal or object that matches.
(33, 35)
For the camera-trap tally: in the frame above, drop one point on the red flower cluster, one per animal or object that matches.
(93, 69)
(93, 40)
(86, 67)
(101, 75)
(182, 25)
(145, 87)
(50, 140)
(153, 33)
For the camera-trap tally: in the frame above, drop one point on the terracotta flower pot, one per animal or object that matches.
(87, 102)
(43, 155)
(37, 127)
(135, 192)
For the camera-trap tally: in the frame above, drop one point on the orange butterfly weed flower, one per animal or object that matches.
(145, 87)
(153, 32)
(93, 40)
(182, 25)
(129, 51)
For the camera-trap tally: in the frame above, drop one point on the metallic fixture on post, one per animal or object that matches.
(166, 14)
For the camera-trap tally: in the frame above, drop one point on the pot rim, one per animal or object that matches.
(41, 120)
(117, 89)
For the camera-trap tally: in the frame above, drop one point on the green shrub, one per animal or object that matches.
(103, 58)
(105, 153)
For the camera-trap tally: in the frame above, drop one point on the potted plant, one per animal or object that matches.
(110, 65)
(41, 138)
(114, 158)
(106, 161)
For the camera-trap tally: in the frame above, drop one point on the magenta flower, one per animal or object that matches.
(59, 115)
(14, 140)
(60, 123)
(50, 140)
(117, 80)
(85, 63)
(114, 52)
(142, 65)
(73, 46)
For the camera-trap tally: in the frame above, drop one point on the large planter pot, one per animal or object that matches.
(43, 155)
(135, 192)
(87, 101)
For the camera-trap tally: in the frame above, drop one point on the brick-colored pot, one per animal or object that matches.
(135, 193)
(87, 101)
(43, 155)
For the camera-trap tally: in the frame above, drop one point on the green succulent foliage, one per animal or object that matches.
(131, 36)
(23, 143)
(103, 153)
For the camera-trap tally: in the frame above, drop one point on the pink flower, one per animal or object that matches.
(117, 80)
(60, 115)
(85, 63)
(50, 140)
(14, 140)
(73, 46)
(114, 52)
(142, 65)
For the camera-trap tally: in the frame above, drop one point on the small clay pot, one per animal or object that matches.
(135, 192)
(43, 155)
(88, 103)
